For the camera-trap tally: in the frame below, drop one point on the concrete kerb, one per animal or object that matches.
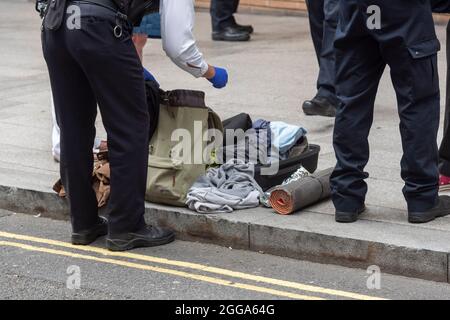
(251, 235)
(45, 204)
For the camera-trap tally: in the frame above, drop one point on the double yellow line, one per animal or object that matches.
(179, 264)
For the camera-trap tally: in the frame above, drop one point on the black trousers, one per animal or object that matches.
(89, 66)
(407, 43)
(222, 13)
(444, 150)
(323, 19)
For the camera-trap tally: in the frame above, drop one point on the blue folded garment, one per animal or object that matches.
(285, 136)
(150, 25)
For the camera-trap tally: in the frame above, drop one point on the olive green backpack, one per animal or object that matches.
(184, 120)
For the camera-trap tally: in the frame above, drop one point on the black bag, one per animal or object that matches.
(309, 160)
(240, 121)
(54, 14)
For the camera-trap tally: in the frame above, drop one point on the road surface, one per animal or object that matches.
(38, 262)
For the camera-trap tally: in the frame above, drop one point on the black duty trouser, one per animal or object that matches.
(323, 19)
(222, 13)
(90, 66)
(444, 150)
(407, 43)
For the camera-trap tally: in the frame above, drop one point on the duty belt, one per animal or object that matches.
(109, 4)
(112, 5)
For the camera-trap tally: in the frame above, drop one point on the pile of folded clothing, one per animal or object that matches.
(261, 141)
(224, 189)
(248, 146)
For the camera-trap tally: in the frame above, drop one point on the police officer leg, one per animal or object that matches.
(115, 74)
(246, 28)
(76, 109)
(323, 17)
(410, 46)
(224, 24)
(359, 68)
(444, 150)
(316, 17)
(416, 83)
(222, 13)
(359, 71)
(325, 82)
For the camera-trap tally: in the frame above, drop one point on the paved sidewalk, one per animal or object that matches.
(269, 78)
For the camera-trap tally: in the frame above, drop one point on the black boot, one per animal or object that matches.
(248, 29)
(88, 236)
(230, 34)
(319, 106)
(442, 209)
(349, 217)
(149, 236)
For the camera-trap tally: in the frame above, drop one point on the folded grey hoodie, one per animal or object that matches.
(229, 187)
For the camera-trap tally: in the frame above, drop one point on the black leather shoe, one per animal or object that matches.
(349, 217)
(84, 238)
(149, 236)
(230, 34)
(442, 209)
(319, 107)
(248, 29)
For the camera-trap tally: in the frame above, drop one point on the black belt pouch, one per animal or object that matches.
(55, 14)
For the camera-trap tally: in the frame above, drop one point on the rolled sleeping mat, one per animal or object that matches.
(302, 193)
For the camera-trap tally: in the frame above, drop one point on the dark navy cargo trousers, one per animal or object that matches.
(443, 6)
(323, 19)
(222, 13)
(407, 43)
(87, 66)
(444, 150)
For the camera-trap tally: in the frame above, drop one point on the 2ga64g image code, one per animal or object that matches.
(246, 310)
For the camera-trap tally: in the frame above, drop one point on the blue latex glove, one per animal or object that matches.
(148, 76)
(220, 80)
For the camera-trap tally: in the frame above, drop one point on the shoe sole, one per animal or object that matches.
(248, 31)
(218, 38)
(82, 240)
(322, 113)
(124, 245)
(346, 217)
(419, 218)
(444, 188)
(330, 114)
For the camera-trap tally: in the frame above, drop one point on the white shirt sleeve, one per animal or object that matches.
(177, 24)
